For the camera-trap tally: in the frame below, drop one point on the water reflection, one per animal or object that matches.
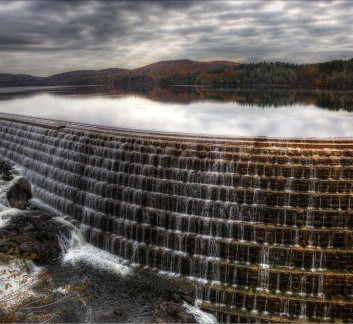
(239, 112)
(261, 97)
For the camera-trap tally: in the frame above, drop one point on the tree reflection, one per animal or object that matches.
(256, 96)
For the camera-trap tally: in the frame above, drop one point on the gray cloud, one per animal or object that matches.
(46, 37)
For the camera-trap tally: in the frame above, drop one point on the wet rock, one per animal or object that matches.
(5, 168)
(30, 227)
(159, 320)
(171, 312)
(7, 177)
(32, 232)
(106, 317)
(118, 312)
(69, 315)
(19, 194)
(29, 231)
(180, 295)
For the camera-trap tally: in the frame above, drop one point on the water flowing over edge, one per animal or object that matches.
(247, 176)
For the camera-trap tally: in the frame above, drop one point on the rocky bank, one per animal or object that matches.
(26, 229)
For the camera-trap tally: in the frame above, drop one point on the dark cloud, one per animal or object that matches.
(46, 37)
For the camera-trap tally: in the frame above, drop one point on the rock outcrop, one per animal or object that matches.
(28, 230)
(19, 194)
(171, 312)
(32, 233)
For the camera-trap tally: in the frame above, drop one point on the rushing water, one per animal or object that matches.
(198, 208)
(112, 284)
(240, 218)
(282, 113)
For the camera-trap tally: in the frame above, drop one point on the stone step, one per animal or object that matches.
(292, 216)
(284, 150)
(241, 251)
(242, 180)
(262, 226)
(290, 307)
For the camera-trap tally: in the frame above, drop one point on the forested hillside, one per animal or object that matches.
(15, 80)
(333, 74)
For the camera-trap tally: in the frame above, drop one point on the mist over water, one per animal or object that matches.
(280, 113)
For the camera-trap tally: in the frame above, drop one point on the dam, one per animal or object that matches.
(261, 226)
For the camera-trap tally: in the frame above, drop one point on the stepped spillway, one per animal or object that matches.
(262, 226)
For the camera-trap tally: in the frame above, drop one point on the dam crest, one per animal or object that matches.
(262, 226)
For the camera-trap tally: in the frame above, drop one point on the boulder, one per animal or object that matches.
(29, 230)
(171, 312)
(118, 312)
(19, 194)
(34, 233)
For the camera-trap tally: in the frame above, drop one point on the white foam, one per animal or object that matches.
(5, 215)
(100, 259)
(79, 236)
(36, 202)
(78, 250)
(200, 316)
(3, 221)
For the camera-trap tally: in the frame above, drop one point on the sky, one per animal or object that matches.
(47, 37)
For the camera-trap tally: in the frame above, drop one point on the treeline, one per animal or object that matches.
(334, 74)
(264, 97)
(18, 80)
(248, 96)
(328, 75)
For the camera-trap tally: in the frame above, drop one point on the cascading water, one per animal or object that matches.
(262, 226)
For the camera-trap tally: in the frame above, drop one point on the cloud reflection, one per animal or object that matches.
(218, 118)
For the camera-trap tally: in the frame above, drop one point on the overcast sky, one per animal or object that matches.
(47, 37)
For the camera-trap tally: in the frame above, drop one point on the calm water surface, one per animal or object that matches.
(248, 112)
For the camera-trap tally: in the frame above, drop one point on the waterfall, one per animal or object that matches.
(261, 226)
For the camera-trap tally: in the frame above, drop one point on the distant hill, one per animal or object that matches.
(83, 77)
(15, 80)
(168, 68)
(333, 74)
(166, 73)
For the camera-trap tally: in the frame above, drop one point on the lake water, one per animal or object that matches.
(233, 112)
